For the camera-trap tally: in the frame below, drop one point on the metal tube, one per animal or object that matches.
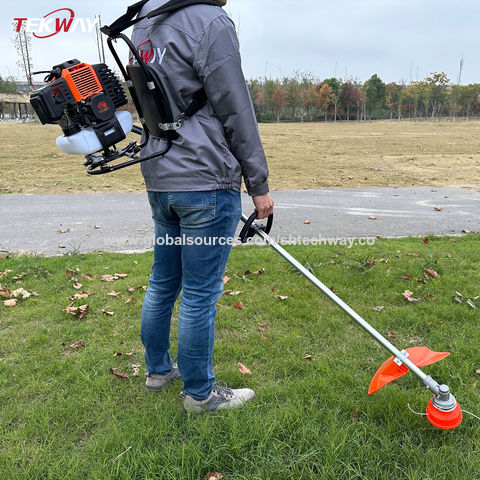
(426, 380)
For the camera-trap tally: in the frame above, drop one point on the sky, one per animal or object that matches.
(400, 40)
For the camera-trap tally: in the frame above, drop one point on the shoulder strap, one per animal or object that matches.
(128, 19)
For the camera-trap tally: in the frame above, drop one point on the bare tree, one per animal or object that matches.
(23, 45)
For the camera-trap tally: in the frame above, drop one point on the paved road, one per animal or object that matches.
(32, 222)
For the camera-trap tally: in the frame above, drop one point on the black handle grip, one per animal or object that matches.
(249, 229)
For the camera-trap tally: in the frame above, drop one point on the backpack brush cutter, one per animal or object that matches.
(84, 100)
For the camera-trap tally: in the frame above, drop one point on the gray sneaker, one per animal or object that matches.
(156, 383)
(220, 397)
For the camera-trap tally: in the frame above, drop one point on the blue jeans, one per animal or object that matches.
(193, 233)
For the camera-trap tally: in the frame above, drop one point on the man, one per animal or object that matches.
(194, 193)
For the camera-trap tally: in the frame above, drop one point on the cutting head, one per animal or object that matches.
(443, 410)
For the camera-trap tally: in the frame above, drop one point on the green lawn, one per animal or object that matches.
(65, 416)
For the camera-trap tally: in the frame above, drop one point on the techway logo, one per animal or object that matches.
(62, 19)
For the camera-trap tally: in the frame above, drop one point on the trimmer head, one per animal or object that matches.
(393, 368)
(443, 410)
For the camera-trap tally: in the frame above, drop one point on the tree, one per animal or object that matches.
(8, 85)
(307, 93)
(350, 96)
(375, 93)
(469, 96)
(293, 93)
(309, 97)
(325, 98)
(279, 100)
(336, 87)
(257, 93)
(436, 90)
(269, 87)
(418, 93)
(23, 46)
(394, 99)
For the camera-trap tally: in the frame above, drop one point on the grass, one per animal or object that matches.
(64, 416)
(311, 155)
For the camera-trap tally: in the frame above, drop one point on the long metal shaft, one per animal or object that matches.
(431, 384)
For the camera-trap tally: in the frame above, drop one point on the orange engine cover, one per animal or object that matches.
(82, 81)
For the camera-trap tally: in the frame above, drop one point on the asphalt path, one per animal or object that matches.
(122, 222)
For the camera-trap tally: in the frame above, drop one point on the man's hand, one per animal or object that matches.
(263, 205)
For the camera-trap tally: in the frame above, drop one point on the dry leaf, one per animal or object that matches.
(260, 271)
(80, 311)
(117, 354)
(390, 334)
(77, 344)
(113, 371)
(97, 227)
(438, 209)
(466, 231)
(64, 230)
(136, 369)
(87, 276)
(225, 279)
(5, 292)
(408, 295)
(121, 275)
(20, 292)
(109, 278)
(431, 297)
(477, 371)
(10, 303)
(263, 337)
(243, 369)
(307, 222)
(19, 276)
(5, 272)
(113, 293)
(355, 414)
(232, 292)
(308, 357)
(69, 272)
(281, 297)
(426, 240)
(214, 475)
(454, 240)
(62, 246)
(407, 277)
(261, 327)
(372, 217)
(78, 296)
(238, 305)
(431, 272)
(378, 308)
(107, 313)
(77, 286)
(129, 354)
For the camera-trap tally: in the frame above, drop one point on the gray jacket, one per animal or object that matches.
(189, 49)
